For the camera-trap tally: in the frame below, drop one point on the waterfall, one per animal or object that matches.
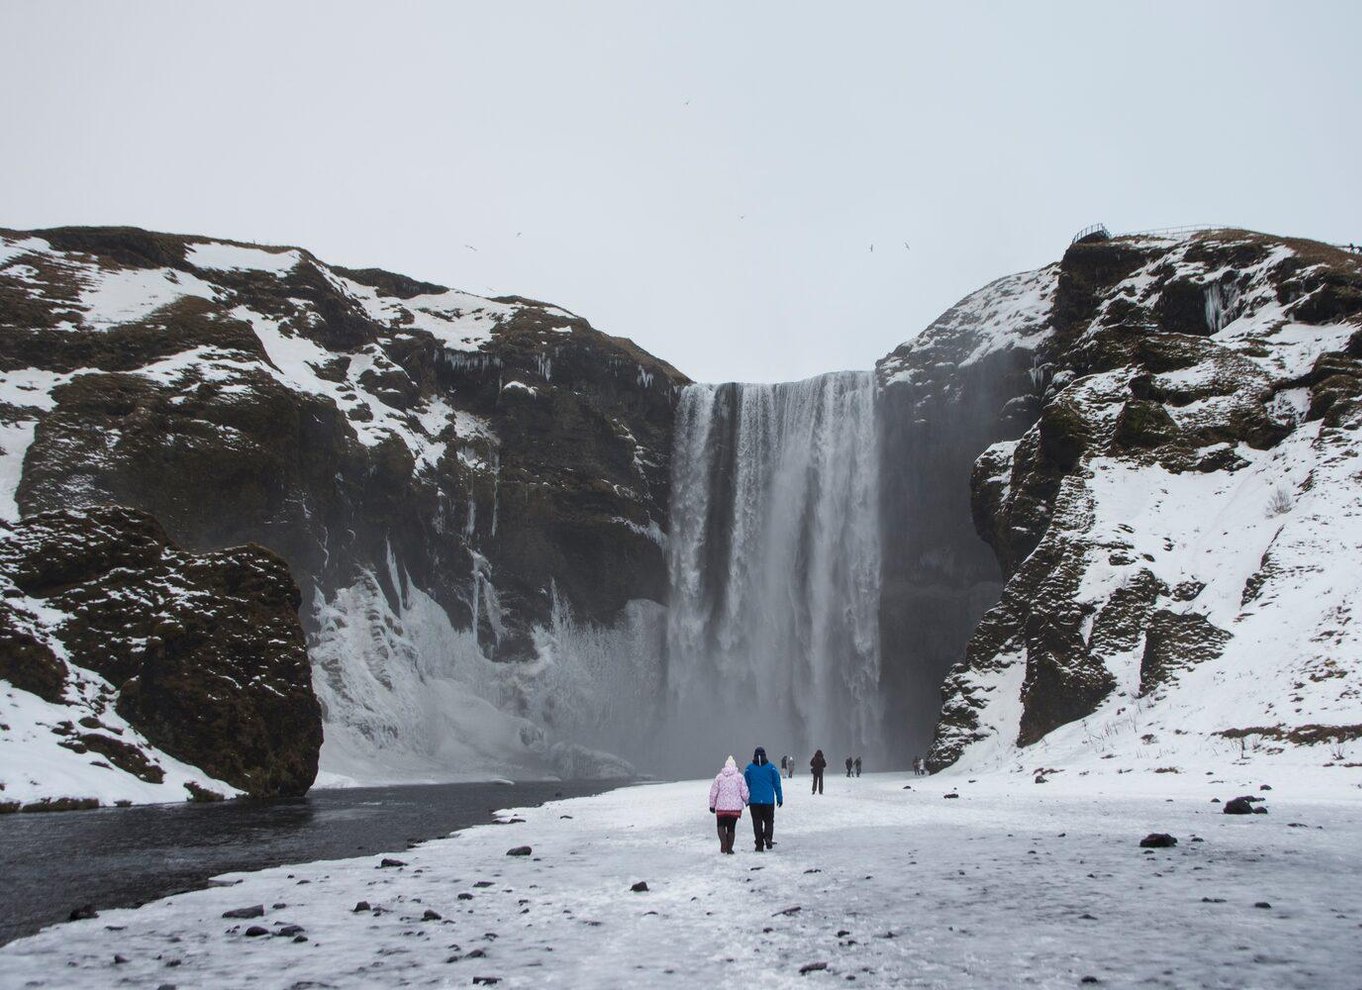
(774, 561)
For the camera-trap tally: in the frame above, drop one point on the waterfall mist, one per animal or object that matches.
(773, 629)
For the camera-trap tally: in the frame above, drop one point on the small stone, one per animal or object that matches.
(519, 851)
(388, 862)
(640, 887)
(119, 960)
(278, 907)
(254, 911)
(1090, 979)
(812, 967)
(1262, 904)
(788, 912)
(1239, 806)
(1213, 900)
(1158, 840)
(951, 795)
(483, 883)
(84, 912)
(843, 932)
(299, 938)
(486, 981)
(476, 954)
(1264, 787)
(430, 915)
(361, 906)
(288, 931)
(255, 931)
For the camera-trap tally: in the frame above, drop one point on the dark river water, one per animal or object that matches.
(121, 857)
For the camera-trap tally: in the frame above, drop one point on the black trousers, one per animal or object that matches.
(727, 826)
(818, 782)
(763, 823)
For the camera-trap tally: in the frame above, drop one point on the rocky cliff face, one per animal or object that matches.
(453, 480)
(967, 381)
(1175, 524)
(187, 672)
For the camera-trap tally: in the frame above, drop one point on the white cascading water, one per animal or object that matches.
(773, 629)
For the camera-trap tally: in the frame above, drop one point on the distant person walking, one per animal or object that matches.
(727, 797)
(784, 765)
(858, 766)
(848, 766)
(789, 766)
(764, 797)
(818, 764)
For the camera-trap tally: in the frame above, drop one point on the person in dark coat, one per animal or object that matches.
(818, 764)
(764, 796)
(848, 766)
(858, 766)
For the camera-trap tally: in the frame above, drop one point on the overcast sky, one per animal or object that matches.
(707, 178)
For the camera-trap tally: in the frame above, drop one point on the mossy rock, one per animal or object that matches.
(1144, 424)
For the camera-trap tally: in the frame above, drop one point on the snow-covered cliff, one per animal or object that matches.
(470, 492)
(1178, 521)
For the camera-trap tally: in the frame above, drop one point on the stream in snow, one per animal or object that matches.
(121, 857)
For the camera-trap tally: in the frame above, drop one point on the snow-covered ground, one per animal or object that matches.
(883, 880)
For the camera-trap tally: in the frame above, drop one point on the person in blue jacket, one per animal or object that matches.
(763, 785)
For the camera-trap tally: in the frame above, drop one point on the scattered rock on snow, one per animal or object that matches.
(640, 887)
(388, 862)
(254, 911)
(812, 967)
(84, 912)
(1239, 806)
(1262, 904)
(519, 851)
(788, 912)
(255, 931)
(361, 906)
(430, 915)
(1158, 840)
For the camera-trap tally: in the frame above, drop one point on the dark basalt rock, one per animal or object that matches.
(254, 911)
(205, 650)
(1243, 805)
(1158, 840)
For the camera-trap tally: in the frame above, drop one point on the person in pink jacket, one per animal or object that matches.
(727, 797)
